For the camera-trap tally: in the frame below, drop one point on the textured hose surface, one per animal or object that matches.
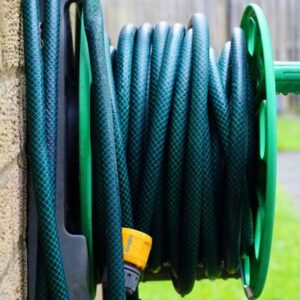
(173, 143)
(42, 107)
(50, 60)
(106, 181)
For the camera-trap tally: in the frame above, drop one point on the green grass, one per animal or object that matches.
(288, 133)
(284, 274)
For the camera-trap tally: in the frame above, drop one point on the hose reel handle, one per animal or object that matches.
(287, 77)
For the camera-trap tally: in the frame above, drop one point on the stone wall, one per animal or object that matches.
(12, 154)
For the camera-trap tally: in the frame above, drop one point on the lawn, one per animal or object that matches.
(288, 133)
(284, 274)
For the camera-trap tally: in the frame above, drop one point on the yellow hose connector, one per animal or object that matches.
(136, 247)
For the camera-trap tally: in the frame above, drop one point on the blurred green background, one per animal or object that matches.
(282, 15)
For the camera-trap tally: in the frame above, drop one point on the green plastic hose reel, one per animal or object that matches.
(280, 77)
(255, 267)
(85, 154)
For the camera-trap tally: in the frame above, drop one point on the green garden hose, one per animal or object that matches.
(172, 106)
(174, 143)
(50, 61)
(41, 71)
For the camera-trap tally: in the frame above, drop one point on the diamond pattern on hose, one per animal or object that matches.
(173, 134)
(41, 150)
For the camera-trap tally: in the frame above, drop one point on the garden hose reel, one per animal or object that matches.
(270, 78)
(254, 268)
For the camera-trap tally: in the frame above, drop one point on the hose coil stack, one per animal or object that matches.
(174, 141)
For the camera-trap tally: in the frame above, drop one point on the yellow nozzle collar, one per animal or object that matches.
(136, 247)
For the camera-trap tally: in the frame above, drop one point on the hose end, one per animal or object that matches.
(136, 249)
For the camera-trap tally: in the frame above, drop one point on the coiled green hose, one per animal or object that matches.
(187, 126)
(173, 139)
